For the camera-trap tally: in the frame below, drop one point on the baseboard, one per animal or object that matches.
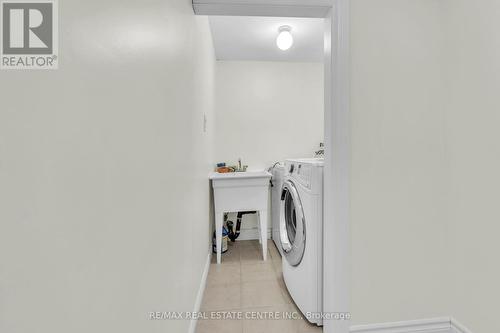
(201, 291)
(251, 234)
(456, 327)
(435, 325)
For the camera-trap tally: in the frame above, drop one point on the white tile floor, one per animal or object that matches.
(244, 283)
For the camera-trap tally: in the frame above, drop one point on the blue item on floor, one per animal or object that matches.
(225, 234)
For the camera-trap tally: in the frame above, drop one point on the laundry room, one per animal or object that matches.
(268, 124)
(249, 166)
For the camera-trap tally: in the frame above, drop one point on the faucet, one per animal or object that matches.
(240, 167)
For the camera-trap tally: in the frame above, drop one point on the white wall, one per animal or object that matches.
(103, 172)
(473, 138)
(398, 167)
(425, 78)
(267, 112)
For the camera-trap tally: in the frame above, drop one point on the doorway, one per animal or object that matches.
(336, 234)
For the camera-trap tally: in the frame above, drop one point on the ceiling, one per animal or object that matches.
(254, 38)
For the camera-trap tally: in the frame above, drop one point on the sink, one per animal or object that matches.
(241, 192)
(245, 182)
(240, 175)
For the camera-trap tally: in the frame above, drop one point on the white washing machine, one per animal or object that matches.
(301, 235)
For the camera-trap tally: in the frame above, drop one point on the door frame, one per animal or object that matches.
(336, 207)
(336, 202)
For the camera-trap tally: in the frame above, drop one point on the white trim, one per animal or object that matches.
(336, 229)
(436, 325)
(252, 234)
(290, 8)
(457, 327)
(201, 291)
(252, 10)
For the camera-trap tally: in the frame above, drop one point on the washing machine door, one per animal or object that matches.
(292, 224)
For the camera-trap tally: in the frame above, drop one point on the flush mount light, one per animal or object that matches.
(285, 38)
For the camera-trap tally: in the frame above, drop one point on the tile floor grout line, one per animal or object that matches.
(283, 303)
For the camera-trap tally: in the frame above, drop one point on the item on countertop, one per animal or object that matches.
(222, 168)
(225, 169)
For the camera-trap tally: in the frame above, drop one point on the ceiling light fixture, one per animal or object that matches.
(285, 38)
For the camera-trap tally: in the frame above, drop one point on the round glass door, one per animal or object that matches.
(292, 225)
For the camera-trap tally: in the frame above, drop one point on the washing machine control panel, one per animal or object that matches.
(301, 173)
(306, 172)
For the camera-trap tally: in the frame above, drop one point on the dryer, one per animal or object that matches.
(301, 235)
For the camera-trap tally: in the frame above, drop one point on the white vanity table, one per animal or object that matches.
(241, 191)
